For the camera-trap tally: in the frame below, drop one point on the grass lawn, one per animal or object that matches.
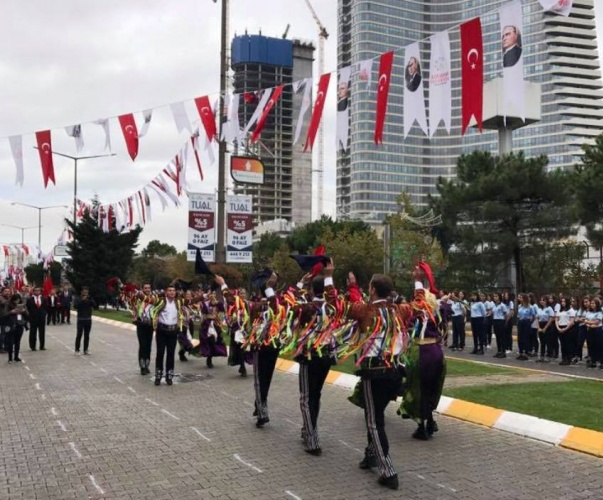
(123, 316)
(577, 402)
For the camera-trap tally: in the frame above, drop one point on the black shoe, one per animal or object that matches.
(18, 360)
(255, 413)
(209, 363)
(421, 433)
(243, 372)
(33, 349)
(368, 462)
(475, 351)
(42, 348)
(261, 422)
(431, 427)
(168, 381)
(317, 452)
(143, 371)
(182, 356)
(157, 381)
(389, 482)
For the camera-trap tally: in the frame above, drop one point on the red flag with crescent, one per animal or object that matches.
(319, 104)
(472, 67)
(45, 150)
(385, 71)
(266, 111)
(128, 128)
(207, 116)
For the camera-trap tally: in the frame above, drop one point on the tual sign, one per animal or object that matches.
(201, 226)
(246, 170)
(239, 233)
(61, 251)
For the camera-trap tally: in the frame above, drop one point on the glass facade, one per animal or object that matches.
(559, 53)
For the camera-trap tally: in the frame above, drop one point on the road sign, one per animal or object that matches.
(61, 251)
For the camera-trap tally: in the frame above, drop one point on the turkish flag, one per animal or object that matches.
(269, 105)
(207, 116)
(250, 97)
(472, 66)
(385, 70)
(45, 151)
(319, 104)
(317, 268)
(128, 128)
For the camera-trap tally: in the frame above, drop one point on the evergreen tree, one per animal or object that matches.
(499, 207)
(96, 256)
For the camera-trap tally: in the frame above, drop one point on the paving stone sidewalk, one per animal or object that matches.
(92, 427)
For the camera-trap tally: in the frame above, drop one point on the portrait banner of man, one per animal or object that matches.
(511, 28)
(343, 108)
(562, 7)
(414, 95)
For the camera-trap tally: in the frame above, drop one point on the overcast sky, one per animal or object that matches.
(72, 61)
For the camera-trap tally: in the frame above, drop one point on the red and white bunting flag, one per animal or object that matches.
(230, 128)
(130, 132)
(385, 70)
(440, 78)
(195, 143)
(130, 212)
(104, 122)
(303, 87)
(472, 67)
(16, 147)
(160, 195)
(181, 117)
(25, 249)
(365, 72)
(75, 131)
(207, 116)
(6, 250)
(45, 150)
(262, 97)
(147, 116)
(266, 111)
(136, 202)
(147, 204)
(562, 7)
(161, 183)
(319, 104)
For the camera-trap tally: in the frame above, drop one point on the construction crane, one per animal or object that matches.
(322, 37)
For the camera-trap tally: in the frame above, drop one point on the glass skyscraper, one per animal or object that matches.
(560, 53)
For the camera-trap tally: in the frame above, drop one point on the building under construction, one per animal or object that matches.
(261, 62)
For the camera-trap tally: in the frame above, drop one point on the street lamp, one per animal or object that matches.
(21, 228)
(39, 209)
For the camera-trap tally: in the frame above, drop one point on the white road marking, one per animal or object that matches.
(103, 370)
(237, 457)
(75, 450)
(350, 446)
(119, 380)
(62, 426)
(151, 401)
(32, 376)
(131, 390)
(204, 437)
(27, 368)
(53, 411)
(248, 403)
(292, 495)
(92, 363)
(228, 395)
(446, 487)
(38, 386)
(43, 397)
(169, 414)
(290, 421)
(420, 476)
(95, 484)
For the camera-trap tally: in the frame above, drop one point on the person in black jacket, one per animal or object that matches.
(18, 319)
(37, 309)
(84, 306)
(65, 299)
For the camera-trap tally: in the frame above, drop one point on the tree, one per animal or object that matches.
(96, 256)
(156, 248)
(35, 273)
(304, 239)
(499, 207)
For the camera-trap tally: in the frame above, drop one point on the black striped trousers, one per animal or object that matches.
(312, 376)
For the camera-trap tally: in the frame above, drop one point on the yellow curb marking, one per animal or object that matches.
(472, 412)
(584, 440)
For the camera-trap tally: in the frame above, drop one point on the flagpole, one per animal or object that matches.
(221, 250)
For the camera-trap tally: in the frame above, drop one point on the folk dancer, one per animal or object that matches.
(141, 305)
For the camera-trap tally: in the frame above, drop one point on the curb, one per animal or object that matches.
(555, 433)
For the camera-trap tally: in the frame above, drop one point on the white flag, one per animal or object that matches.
(440, 89)
(562, 7)
(304, 86)
(343, 108)
(104, 122)
(160, 196)
(75, 131)
(365, 72)
(147, 114)
(181, 117)
(258, 110)
(511, 29)
(16, 147)
(147, 203)
(230, 128)
(414, 96)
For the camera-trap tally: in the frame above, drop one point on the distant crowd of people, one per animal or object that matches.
(549, 328)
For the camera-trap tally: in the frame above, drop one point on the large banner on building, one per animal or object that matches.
(239, 229)
(201, 226)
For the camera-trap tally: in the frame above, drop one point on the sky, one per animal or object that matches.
(69, 61)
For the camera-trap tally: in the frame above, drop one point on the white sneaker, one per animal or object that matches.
(488, 347)
(507, 351)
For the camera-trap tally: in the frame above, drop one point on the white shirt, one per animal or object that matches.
(169, 314)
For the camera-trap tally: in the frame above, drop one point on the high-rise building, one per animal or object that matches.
(560, 53)
(260, 62)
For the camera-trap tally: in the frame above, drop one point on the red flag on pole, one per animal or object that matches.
(45, 150)
(194, 142)
(472, 66)
(128, 128)
(319, 104)
(207, 116)
(385, 70)
(269, 105)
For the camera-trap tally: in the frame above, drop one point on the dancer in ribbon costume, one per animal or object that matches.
(425, 364)
(141, 305)
(238, 319)
(210, 331)
(379, 339)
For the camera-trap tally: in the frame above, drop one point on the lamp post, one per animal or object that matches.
(22, 229)
(75, 160)
(39, 209)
